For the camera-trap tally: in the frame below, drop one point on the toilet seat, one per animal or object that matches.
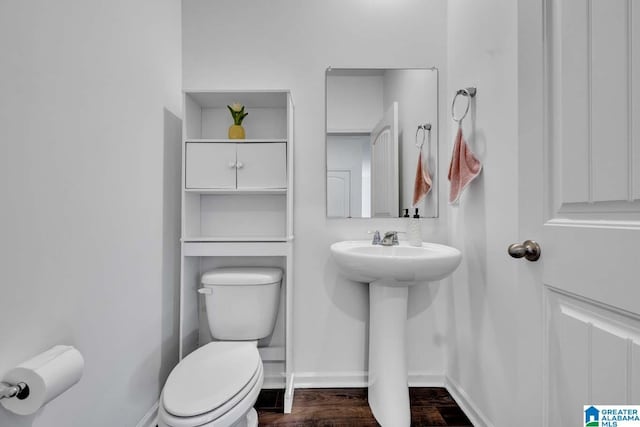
(224, 416)
(213, 386)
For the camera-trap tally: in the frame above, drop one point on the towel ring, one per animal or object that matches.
(469, 93)
(424, 128)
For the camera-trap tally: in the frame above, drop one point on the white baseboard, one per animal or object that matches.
(330, 379)
(273, 374)
(477, 418)
(360, 379)
(426, 379)
(150, 419)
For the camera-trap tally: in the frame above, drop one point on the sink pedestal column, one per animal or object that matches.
(388, 387)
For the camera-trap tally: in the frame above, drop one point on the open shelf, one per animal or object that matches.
(207, 116)
(227, 215)
(253, 98)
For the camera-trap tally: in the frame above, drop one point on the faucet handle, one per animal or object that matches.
(376, 237)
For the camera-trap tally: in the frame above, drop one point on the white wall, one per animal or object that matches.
(289, 44)
(90, 135)
(482, 327)
(354, 103)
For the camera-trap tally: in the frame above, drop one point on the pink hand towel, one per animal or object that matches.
(463, 169)
(422, 184)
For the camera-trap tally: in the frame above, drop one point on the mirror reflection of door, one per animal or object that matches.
(384, 165)
(349, 152)
(339, 193)
(356, 100)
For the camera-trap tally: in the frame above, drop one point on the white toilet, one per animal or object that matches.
(218, 384)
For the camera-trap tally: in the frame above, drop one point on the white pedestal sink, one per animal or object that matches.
(390, 271)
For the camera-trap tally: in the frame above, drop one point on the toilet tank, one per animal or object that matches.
(241, 302)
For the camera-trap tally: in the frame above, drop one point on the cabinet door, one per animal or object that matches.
(210, 165)
(262, 165)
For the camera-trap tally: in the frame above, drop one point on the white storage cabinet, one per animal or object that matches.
(243, 165)
(237, 210)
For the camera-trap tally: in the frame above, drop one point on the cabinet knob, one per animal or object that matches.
(232, 165)
(239, 165)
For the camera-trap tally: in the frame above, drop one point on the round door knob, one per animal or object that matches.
(527, 249)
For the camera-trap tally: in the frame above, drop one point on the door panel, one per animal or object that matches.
(609, 366)
(592, 226)
(572, 47)
(592, 352)
(339, 194)
(569, 385)
(593, 50)
(635, 380)
(609, 73)
(634, 16)
(385, 191)
(594, 262)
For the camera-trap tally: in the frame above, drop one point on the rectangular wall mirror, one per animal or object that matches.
(378, 121)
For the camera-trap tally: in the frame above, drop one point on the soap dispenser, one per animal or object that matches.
(414, 230)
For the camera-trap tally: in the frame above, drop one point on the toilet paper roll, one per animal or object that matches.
(48, 375)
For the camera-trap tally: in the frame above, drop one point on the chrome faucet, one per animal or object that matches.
(376, 237)
(390, 239)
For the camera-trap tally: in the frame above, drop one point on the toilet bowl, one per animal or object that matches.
(215, 386)
(218, 384)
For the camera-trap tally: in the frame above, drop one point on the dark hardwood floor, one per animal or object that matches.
(346, 407)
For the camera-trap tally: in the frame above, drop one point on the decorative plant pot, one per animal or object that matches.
(236, 132)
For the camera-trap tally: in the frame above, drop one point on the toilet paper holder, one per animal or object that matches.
(20, 391)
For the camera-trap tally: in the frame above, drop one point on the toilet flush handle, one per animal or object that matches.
(205, 291)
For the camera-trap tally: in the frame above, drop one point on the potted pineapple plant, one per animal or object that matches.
(236, 131)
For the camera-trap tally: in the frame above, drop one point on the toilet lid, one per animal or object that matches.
(209, 377)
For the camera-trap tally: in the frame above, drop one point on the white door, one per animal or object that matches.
(579, 165)
(339, 194)
(385, 194)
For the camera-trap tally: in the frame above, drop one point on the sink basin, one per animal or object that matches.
(390, 272)
(401, 265)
